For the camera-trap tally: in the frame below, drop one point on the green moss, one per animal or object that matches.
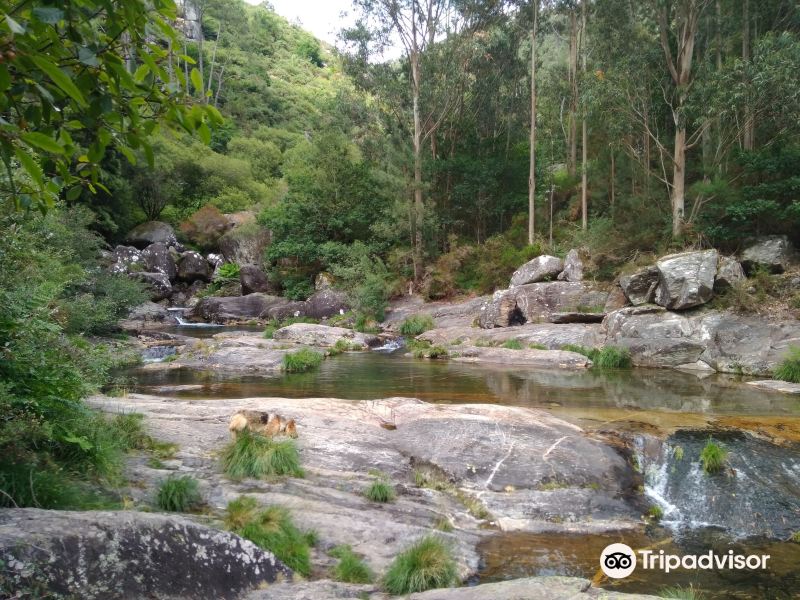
(425, 565)
(416, 324)
(350, 568)
(254, 455)
(789, 368)
(302, 360)
(713, 457)
(270, 528)
(178, 494)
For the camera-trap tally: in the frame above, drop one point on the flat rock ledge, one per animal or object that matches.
(528, 588)
(773, 385)
(109, 555)
(544, 359)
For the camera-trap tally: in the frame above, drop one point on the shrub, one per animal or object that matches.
(611, 357)
(380, 491)
(512, 345)
(302, 360)
(178, 494)
(681, 593)
(425, 565)
(416, 324)
(350, 568)
(365, 324)
(228, 271)
(205, 226)
(270, 528)
(789, 368)
(257, 456)
(713, 457)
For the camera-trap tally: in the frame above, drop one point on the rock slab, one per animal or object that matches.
(540, 268)
(687, 279)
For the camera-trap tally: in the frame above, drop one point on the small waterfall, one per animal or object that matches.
(758, 494)
(155, 354)
(390, 346)
(178, 313)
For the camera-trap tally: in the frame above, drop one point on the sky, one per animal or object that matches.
(320, 17)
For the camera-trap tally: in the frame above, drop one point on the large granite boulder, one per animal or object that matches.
(151, 232)
(105, 555)
(323, 335)
(192, 267)
(640, 287)
(147, 316)
(326, 303)
(226, 309)
(253, 279)
(158, 259)
(157, 283)
(540, 268)
(126, 259)
(729, 273)
(573, 267)
(535, 301)
(686, 279)
(773, 253)
(245, 245)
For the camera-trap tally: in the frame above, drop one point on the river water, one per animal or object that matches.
(752, 508)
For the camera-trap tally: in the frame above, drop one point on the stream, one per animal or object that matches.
(752, 508)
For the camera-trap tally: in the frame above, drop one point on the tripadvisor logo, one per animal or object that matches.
(619, 561)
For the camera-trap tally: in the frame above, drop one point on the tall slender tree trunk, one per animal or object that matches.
(584, 136)
(679, 181)
(748, 129)
(419, 208)
(572, 158)
(613, 182)
(532, 165)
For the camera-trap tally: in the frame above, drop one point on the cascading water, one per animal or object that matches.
(757, 493)
(390, 345)
(157, 353)
(178, 313)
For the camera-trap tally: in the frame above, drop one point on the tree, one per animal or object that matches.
(532, 170)
(68, 95)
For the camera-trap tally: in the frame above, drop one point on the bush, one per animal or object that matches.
(380, 491)
(426, 565)
(416, 325)
(178, 494)
(350, 568)
(254, 455)
(713, 457)
(789, 368)
(611, 357)
(512, 345)
(302, 360)
(270, 528)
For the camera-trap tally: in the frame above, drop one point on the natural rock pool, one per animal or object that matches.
(647, 413)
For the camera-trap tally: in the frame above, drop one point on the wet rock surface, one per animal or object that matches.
(107, 555)
(323, 335)
(231, 309)
(544, 359)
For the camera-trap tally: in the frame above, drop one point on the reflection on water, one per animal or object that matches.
(366, 376)
(512, 555)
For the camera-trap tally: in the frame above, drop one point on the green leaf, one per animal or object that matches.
(88, 57)
(49, 15)
(141, 73)
(81, 441)
(128, 153)
(60, 79)
(30, 165)
(197, 81)
(14, 26)
(42, 141)
(5, 78)
(74, 192)
(205, 133)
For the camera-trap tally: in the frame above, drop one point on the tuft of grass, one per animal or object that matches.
(611, 357)
(257, 456)
(365, 324)
(270, 528)
(587, 352)
(443, 524)
(789, 368)
(343, 345)
(681, 593)
(713, 457)
(380, 491)
(795, 537)
(512, 345)
(302, 360)
(416, 324)
(655, 513)
(178, 494)
(537, 346)
(350, 568)
(425, 565)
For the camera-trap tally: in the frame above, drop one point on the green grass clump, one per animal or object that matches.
(512, 345)
(587, 352)
(380, 491)
(537, 346)
(416, 324)
(425, 565)
(443, 524)
(254, 455)
(178, 494)
(795, 537)
(350, 568)
(611, 357)
(789, 368)
(713, 457)
(342, 345)
(270, 528)
(655, 513)
(302, 360)
(423, 349)
(681, 593)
